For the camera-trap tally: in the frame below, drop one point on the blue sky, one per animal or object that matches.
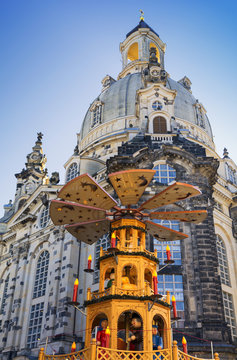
(54, 54)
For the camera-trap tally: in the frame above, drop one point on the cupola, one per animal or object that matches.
(135, 49)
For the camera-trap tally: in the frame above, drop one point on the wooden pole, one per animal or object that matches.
(93, 349)
(175, 350)
(41, 354)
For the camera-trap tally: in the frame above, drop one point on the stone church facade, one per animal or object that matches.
(144, 119)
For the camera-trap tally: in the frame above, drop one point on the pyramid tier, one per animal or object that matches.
(131, 184)
(63, 212)
(85, 190)
(163, 233)
(195, 216)
(173, 193)
(89, 231)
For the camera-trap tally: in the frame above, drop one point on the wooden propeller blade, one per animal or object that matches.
(85, 190)
(89, 231)
(64, 212)
(195, 216)
(163, 233)
(173, 193)
(131, 184)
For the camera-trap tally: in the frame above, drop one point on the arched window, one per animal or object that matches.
(96, 116)
(159, 125)
(4, 295)
(72, 172)
(44, 217)
(222, 261)
(157, 51)
(133, 52)
(41, 275)
(164, 173)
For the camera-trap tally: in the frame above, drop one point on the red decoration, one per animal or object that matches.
(155, 282)
(73, 348)
(168, 253)
(174, 306)
(89, 262)
(107, 335)
(185, 347)
(76, 283)
(113, 240)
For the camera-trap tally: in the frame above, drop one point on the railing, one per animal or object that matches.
(183, 356)
(165, 138)
(99, 294)
(111, 354)
(113, 290)
(128, 249)
(99, 353)
(84, 354)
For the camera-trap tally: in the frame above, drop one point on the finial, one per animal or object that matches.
(225, 154)
(39, 136)
(142, 15)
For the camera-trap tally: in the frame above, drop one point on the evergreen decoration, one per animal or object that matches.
(123, 297)
(138, 253)
(129, 227)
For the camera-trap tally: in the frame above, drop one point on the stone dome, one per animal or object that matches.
(119, 100)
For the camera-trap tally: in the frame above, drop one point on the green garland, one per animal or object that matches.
(125, 297)
(138, 253)
(128, 227)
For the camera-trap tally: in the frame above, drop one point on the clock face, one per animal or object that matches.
(155, 72)
(35, 157)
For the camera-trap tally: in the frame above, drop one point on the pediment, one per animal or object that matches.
(29, 211)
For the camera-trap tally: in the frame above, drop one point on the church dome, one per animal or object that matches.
(120, 100)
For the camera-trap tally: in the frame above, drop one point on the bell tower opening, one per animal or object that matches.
(133, 52)
(157, 50)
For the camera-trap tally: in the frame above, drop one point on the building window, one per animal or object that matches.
(159, 125)
(41, 275)
(157, 105)
(96, 115)
(72, 172)
(44, 218)
(36, 317)
(103, 242)
(171, 282)
(231, 175)
(222, 261)
(218, 206)
(160, 246)
(230, 314)
(174, 284)
(164, 173)
(21, 203)
(4, 295)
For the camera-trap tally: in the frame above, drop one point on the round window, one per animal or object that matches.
(157, 105)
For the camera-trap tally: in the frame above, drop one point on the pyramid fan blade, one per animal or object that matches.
(163, 233)
(64, 212)
(85, 190)
(130, 184)
(195, 216)
(90, 231)
(173, 193)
